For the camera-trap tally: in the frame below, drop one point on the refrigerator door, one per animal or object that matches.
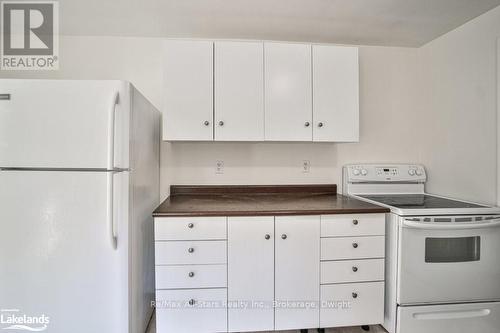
(57, 256)
(64, 124)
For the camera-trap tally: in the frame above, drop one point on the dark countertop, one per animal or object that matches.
(260, 201)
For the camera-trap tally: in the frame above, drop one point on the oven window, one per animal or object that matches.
(440, 250)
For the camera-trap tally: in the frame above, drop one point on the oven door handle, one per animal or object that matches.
(449, 225)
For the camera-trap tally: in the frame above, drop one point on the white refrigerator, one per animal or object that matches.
(79, 178)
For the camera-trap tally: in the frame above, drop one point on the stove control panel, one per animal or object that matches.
(385, 173)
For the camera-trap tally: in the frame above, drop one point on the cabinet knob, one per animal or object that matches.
(320, 124)
(267, 236)
(191, 250)
(355, 245)
(354, 269)
(192, 302)
(191, 274)
(354, 295)
(190, 225)
(206, 123)
(283, 236)
(307, 124)
(355, 222)
(221, 123)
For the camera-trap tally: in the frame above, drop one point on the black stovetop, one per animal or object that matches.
(418, 201)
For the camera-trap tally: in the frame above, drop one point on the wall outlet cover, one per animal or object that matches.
(219, 167)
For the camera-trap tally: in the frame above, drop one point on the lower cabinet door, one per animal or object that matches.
(191, 310)
(352, 304)
(250, 274)
(297, 272)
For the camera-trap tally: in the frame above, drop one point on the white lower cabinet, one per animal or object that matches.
(343, 248)
(265, 273)
(191, 310)
(250, 273)
(273, 273)
(190, 252)
(297, 272)
(352, 270)
(344, 271)
(191, 276)
(352, 304)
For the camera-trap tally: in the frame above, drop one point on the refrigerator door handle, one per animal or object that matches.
(111, 131)
(110, 212)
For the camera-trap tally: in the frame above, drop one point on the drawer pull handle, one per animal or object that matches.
(354, 295)
(267, 236)
(307, 124)
(206, 123)
(192, 302)
(355, 245)
(191, 250)
(354, 269)
(190, 225)
(283, 236)
(355, 222)
(191, 274)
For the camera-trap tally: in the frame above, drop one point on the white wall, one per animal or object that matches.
(387, 98)
(459, 97)
(387, 95)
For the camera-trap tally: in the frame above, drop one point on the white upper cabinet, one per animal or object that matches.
(336, 93)
(254, 91)
(239, 91)
(188, 90)
(288, 91)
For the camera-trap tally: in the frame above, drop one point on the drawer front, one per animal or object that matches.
(352, 304)
(190, 253)
(190, 228)
(207, 314)
(191, 276)
(472, 317)
(352, 225)
(346, 271)
(352, 248)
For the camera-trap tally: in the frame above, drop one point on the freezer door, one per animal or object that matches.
(456, 318)
(56, 251)
(64, 124)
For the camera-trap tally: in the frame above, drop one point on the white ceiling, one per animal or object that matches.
(371, 22)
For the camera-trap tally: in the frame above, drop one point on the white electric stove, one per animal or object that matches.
(442, 267)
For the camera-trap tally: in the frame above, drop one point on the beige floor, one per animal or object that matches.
(373, 329)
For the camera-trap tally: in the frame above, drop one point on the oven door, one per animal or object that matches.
(448, 262)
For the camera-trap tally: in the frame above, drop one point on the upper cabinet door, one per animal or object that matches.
(239, 91)
(297, 257)
(288, 92)
(188, 90)
(336, 93)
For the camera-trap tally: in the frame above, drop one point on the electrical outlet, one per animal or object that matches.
(219, 167)
(306, 166)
